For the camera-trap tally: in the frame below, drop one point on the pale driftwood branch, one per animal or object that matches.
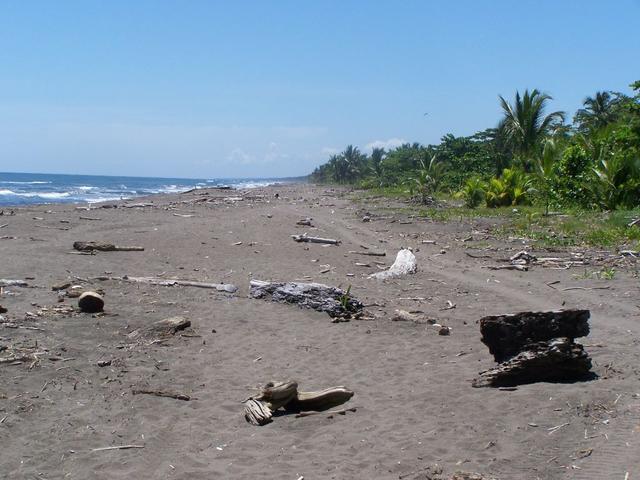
(305, 238)
(161, 393)
(116, 447)
(104, 247)
(167, 282)
(259, 410)
(90, 218)
(183, 215)
(371, 254)
(5, 282)
(520, 268)
(322, 399)
(19, 358)
(330, 413)
(4, 225)
(137, 205)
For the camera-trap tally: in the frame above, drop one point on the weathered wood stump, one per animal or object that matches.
(323, 298)
(506, 335)
(91, 302)
(555, 360)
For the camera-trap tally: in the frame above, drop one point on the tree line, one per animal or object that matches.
(531, 156)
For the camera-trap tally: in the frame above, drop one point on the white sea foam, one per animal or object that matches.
(24, 183)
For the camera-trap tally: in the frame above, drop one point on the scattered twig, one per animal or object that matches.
(162, 393)
(372, 254)
(476, 256)
(52, 228)
(556, 428)
(450, 305)
(586, 288)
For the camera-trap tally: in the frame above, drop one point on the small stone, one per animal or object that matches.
(444, 330)
(90, 302)
(104, 363)
(366, 218)
(3, 309)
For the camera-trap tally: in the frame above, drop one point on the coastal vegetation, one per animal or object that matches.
(530, 158)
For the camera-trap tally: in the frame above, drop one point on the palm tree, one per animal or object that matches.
(526, 125)
(354, 163)
(377, 155)
(427, 178)
(544, 165)
(598, 111)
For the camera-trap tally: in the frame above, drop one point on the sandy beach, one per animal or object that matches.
(416, 409)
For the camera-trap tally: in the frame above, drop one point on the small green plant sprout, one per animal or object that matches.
(344, 299)
(607, 273)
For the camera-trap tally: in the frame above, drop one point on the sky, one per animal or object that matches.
(219, 89)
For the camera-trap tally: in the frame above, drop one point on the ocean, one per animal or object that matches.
(30, 188)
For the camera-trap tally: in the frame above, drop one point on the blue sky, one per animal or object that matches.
(244, 89)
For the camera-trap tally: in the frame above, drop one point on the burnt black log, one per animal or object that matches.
(323, 298)
(556, 360)
(507, 335)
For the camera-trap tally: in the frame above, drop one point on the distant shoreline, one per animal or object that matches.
(21, 189)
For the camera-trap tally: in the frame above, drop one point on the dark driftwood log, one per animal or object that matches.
(104, 247)
(555, 360)
(316, 296)
(161, 328)
(506, 335)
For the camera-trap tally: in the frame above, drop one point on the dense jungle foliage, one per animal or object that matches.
(531, 156)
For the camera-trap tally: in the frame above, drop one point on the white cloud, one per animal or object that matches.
(238, 155)
(386, 144)
(330, 151)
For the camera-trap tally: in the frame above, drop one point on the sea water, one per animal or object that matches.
(31, 188)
